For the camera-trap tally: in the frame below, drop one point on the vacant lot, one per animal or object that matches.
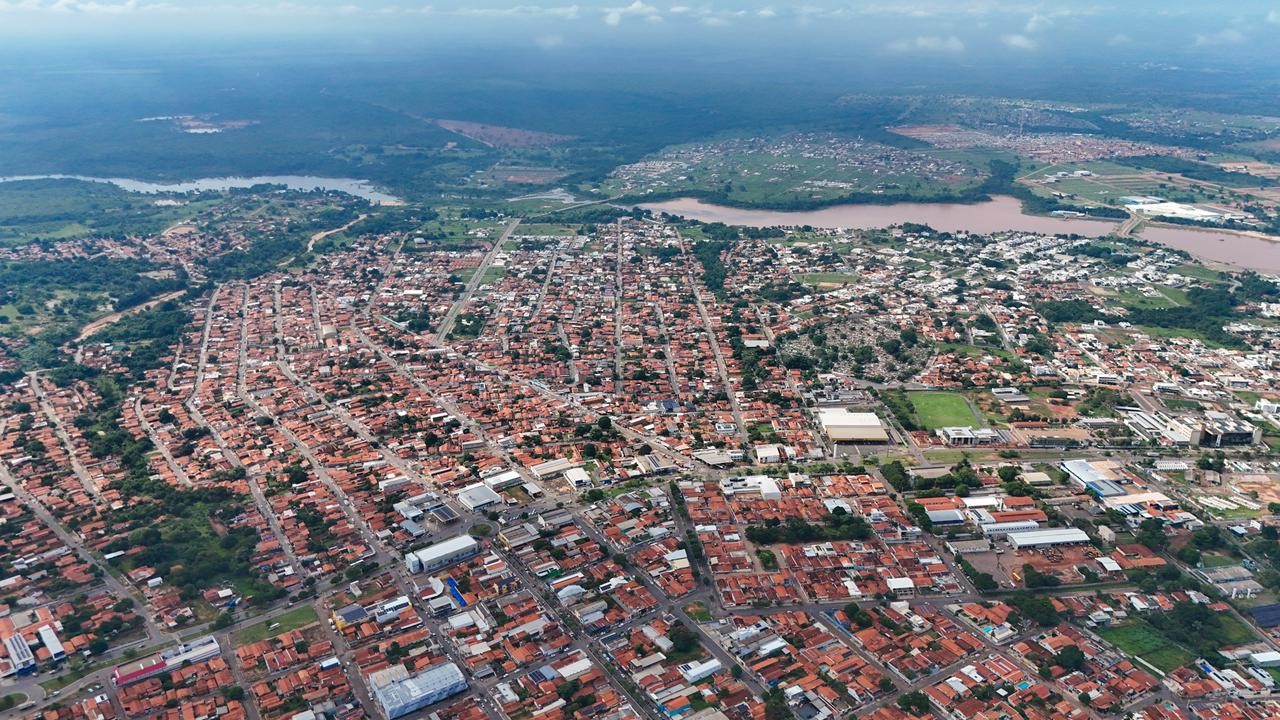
(292, 620)
(828, 278)
(942, 409)
(1146, 642)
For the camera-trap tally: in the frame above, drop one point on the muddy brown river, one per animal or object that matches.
(998, 214)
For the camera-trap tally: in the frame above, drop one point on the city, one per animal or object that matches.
(494, 360)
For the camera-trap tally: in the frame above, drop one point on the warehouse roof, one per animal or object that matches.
(840, 424)
(1051, 536)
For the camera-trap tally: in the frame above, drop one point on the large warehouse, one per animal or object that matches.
(1047, 538)
(442, 554)
(400, 694)
(842, 426)
(478, 497)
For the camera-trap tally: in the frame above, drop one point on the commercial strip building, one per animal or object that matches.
(442, 554)
(399, 694)
(968, 436)
(197, 650)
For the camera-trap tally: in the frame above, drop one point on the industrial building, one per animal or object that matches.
(842, 426)
(442, 554)
(696, 671)
(478, 497)
(1047, 538)
(51, 643)
(1102, 478)
(999, 530)
(503, 480)
(400, 694)
(1221, 430)
(946, 517)
(21, 659)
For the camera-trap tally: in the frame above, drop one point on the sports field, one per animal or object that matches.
(942, 409)
(1145, 642)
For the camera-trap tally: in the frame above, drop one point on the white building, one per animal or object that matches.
(1047, 538)
(478, 497)
(442, 554)
(840, 425)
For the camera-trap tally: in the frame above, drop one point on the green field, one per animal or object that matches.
(1145, 642)
(1159, 332)
(828, 278)
(942, 409)
(974, 351)
(1213, 560)
(790, 172)
(546, 229)
(292, 620)
(1234, 632)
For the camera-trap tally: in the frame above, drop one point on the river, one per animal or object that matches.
(359, 188)
(998, 214)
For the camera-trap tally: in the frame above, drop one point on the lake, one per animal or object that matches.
(359, 188)
(998, 214)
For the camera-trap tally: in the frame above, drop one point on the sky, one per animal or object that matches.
(946, 29)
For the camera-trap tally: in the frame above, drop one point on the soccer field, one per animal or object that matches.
(1145, 642)
(942, 409)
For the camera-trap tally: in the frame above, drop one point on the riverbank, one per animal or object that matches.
(303, 183)
(1236, 249)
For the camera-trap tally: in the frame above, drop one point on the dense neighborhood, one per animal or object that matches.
(645, 468)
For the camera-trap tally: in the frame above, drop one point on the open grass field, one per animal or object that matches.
(941, 409)
(292, 620)
(974, 351)
(698, 611)
(526, 229)
(1142, 640)
(1213, 560)
(828, 278)
(1159, 332)
(781, 171)
(1234, 631)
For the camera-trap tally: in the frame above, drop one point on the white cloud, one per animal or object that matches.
(767, 12)
(567, 12)
(1120, 39)
(614, 16)
(928, 43)
(1273, 17)
(713, 21)
(1019, 42)
(1229, 36)
(1037, 23)
(679, 9)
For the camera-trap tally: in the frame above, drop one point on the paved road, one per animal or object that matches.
(676, 609)
(255, 490)
(159, 444)
(120, 589)
(715, 347)
(446, 325)
(60, 429)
